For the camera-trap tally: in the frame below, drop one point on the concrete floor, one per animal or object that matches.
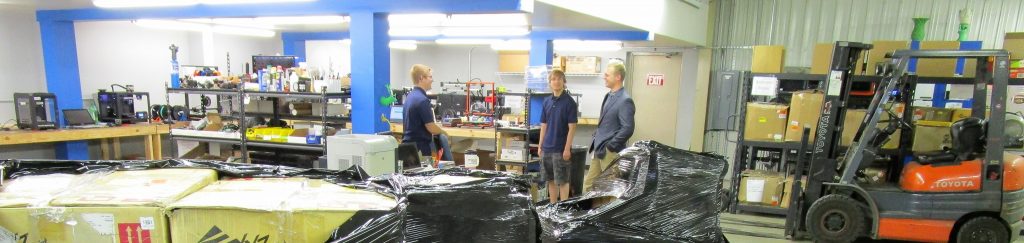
(762, 229)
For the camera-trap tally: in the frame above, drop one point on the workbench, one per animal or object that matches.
(483, 133)
(151, 132)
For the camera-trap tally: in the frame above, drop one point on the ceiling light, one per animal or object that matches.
(403, 45)
(416, 20)
(141, 3)
(190, 26)
(346, 41)
(290, 20)
(487, 20)
(171, 25)
(466, 41)
(232, 30)
(417, 31)
(511, 45)
(578, 45)
(485, 31)
(249, 1)
(242, 22)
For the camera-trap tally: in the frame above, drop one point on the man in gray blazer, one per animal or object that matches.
(615, 125)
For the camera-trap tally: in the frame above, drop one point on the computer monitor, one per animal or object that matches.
(408, 155)
(75, 117)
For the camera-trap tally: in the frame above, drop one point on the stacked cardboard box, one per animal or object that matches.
(931, 136)
(125, 206)
(804, 110)
(582, 64)
(761, 187)
(765, 122)
(768, 59)
(933, 114)
(855, 117)
(19, 196)
(513, 61)
(787, 190)
(269, 210)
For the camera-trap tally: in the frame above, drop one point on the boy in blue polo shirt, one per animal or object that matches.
(418, 117)
(557, 127)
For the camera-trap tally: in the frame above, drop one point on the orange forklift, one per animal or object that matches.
(970, 192)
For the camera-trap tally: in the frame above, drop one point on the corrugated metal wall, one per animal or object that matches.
(799, 24)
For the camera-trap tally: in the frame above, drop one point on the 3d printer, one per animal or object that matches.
(36, 111)
(119, 107)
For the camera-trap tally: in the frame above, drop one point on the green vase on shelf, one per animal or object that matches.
(919, 30)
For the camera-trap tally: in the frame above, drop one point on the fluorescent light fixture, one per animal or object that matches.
(346, 41)
(292, 20)
(487, 20)
(241, 22)
(511, 45)
(142, 3)
(403, 45)
(171, 25)
(485, 31)
(416, 20)
(232, 30)
(578, 45)
(190, 26)
(250, 1)
(466, 41)
(415, 31)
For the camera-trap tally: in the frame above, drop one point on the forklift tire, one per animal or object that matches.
(983, 229)
(836, 218)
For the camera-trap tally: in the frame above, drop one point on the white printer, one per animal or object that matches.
(374, 153)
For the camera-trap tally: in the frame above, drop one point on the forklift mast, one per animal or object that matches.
(826, 140)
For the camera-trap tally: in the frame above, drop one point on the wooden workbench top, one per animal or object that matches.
(64, 135)
(458, 132)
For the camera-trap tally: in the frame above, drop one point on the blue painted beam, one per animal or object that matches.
(371, 71)
(541, 52)
(60, 59)
(321, 7)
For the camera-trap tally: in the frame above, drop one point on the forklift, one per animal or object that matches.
(970, 192)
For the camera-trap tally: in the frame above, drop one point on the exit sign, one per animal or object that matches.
(656, 79)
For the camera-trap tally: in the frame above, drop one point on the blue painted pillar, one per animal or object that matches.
(371, 71)
(541, 51)
(294, 47)
(60, 59)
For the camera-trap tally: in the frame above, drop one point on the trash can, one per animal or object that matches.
(579, 165)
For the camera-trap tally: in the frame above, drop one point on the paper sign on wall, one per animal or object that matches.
(764, 85)
(655, 79)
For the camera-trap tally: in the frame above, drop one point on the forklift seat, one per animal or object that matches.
(968, 137)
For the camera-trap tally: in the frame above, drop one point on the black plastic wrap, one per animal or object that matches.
(494, 208)
(15, 168)
(652, 193)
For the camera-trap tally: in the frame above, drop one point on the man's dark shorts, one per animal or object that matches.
(554, 168)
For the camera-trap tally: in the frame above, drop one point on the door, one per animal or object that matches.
(654, 82)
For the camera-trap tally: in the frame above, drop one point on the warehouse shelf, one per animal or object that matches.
(290, 146)
(202, 91)
(769, 144)
(298, 94)
(335, 119)
(515, 130)
(567, 74)
(761, 209)
(516, 162)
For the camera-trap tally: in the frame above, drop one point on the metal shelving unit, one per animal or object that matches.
(243, 142)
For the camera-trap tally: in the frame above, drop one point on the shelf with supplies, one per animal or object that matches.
(239, 109)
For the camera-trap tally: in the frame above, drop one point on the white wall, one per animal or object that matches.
(119, 52)
(21, 56)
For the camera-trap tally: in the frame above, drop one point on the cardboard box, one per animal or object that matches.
(513, 61)
(937, 67)
(558, 62)
(245, 210)
(332, 109)
(514, 154)
(761, 187)
(821, 58)
(269, 210)
(125, 206)
(787, 189)
(768, 59)
(960, 113)
(852, 121)
(582, 64)
(16, 224)
(882, 47)
(765, 122)
(930, 136)
(315, 212)
(804, 110)
(1014, 43)
(932, 114)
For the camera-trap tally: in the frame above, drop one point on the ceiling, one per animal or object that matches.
(545, 16)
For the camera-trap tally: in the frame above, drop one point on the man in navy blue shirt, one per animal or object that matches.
(418, 117)
(557, 127)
